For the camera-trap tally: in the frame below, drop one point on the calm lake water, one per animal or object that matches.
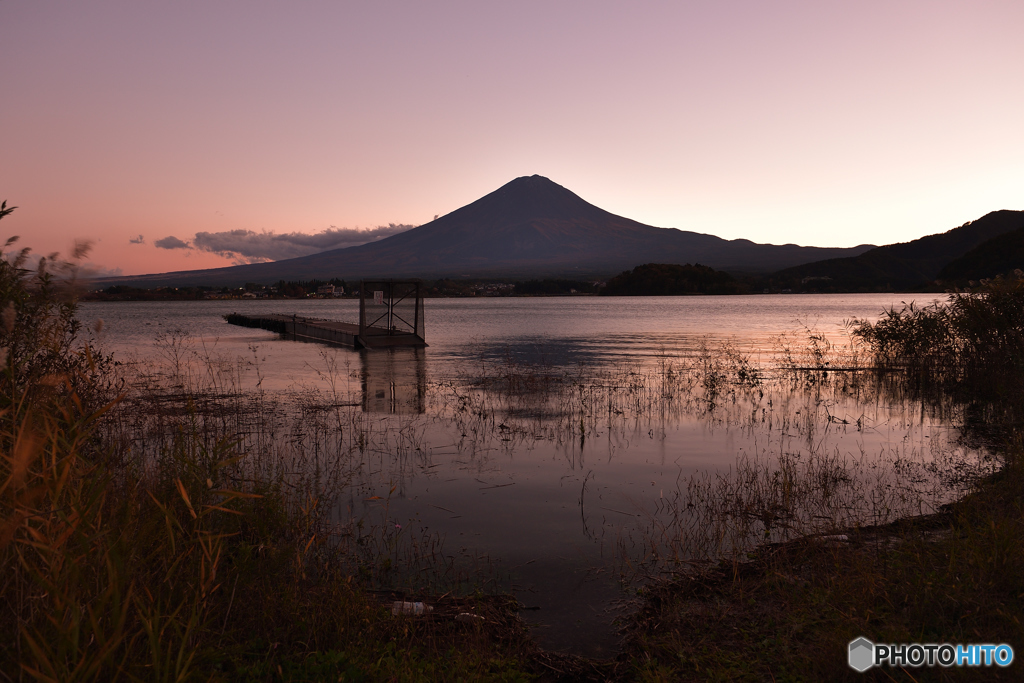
(548, 511)
(555, 330)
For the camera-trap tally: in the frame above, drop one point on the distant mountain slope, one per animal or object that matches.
(998, 256)
(530, 227)
(904, 266)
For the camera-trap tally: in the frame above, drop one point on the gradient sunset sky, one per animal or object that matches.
(816, 122)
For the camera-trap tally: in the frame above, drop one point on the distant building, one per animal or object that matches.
(325, 290)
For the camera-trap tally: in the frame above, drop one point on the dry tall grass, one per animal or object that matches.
(156, 527)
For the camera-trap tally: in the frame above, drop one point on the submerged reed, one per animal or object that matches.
(788, 610)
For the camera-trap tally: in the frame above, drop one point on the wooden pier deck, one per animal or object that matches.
(330, 331)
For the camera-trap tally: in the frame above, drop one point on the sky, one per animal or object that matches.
(199, 134)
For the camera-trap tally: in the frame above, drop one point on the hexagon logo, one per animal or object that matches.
(862, 654)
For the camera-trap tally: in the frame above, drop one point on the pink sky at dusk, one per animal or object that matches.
(819, 123)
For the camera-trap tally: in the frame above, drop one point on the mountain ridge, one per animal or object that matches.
(905, 266)
(999, 255)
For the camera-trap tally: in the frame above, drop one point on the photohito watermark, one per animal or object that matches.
(863, 654)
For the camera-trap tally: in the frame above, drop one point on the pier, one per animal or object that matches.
(391, 316)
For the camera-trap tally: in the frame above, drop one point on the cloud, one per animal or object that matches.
(247, 246)
(172, 242)
(137, 240)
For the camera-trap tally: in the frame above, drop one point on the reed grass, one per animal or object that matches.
(155, 525)
(787, 610)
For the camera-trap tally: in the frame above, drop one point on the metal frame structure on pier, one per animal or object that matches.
(391, 313)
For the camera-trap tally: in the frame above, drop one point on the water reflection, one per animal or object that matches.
(569, 352)
(394, 380)
(555, 464)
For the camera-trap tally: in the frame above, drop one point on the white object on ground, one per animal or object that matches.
(399, 607)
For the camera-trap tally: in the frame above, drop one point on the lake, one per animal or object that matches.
(552, 490)
(557, 330)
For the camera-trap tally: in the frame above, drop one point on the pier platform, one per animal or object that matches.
(390, 314)
(330, 331)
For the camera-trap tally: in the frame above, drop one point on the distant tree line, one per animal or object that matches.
(297, 289)
(649, 279)
(125, 293)
(669, 279)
